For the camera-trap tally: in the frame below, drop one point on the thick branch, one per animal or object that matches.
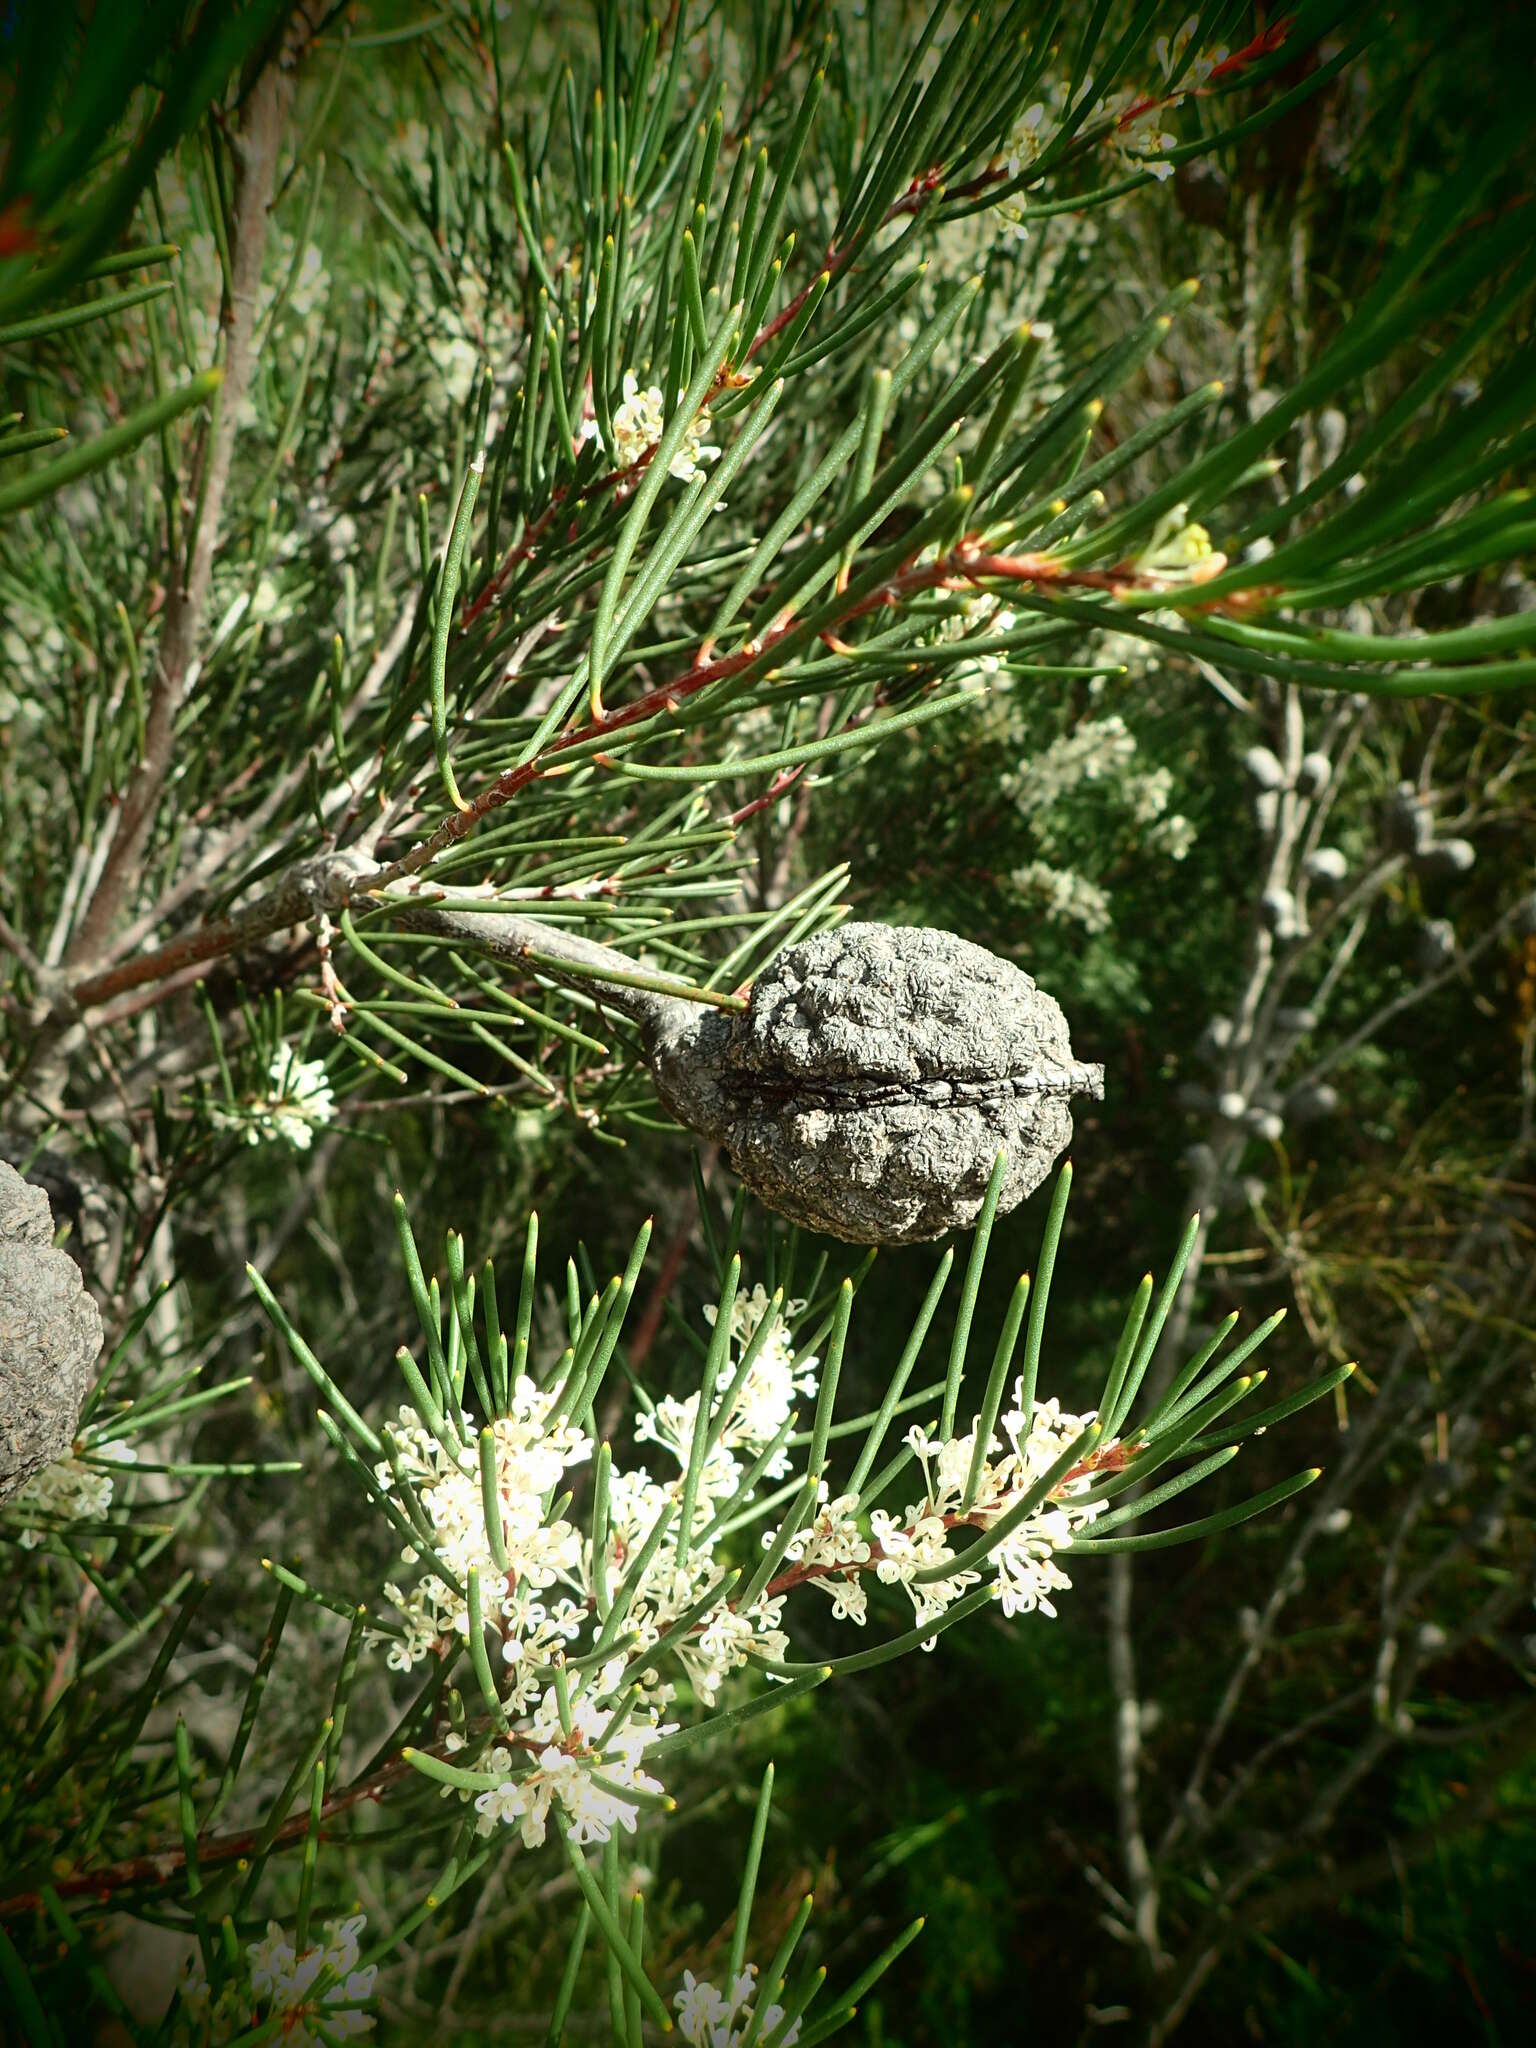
(256, 155)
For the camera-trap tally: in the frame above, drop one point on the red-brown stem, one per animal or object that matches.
(288, 908)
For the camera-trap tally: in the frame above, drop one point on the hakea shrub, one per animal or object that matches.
(744, 404)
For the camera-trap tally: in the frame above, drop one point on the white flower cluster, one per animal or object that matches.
(1063, 896)
(759, 1408)
(600, 1740)
(199, 304)
(1020, 152)
(298, 1099)
(1139, 136)
(982, 612)
(918, 1541)
(70, 1491)
(532, 1455)
(1096, 750)
(472, 330)
(637, 427)
(708, 2019)
(580, 1722)
(1174, 836)
(279, 1984)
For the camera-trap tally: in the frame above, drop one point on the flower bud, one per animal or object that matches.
(1444, 857)
(1264, 768)
(1437, 945)
(1313, 1105)
(1314, 774)
(1327, 866)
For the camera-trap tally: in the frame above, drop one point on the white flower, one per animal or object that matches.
(299, 1098)
(707, 2019)
(1024, 144)
(563, 1772)
(1174, 836)
(637, 427)
(71, 1491)
(285, 1983)
(1064, 897)
(1149, 794)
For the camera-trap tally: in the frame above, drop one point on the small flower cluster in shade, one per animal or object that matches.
(70, 1490)
(1062, 896)
(581, 1687)
(1098, 752)
(708, 2019)
(981, 616)
(297, 1100)
(638, 421)
(315, 1998)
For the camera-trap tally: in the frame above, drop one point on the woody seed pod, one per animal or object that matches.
(50, 1337)
(867, 1088)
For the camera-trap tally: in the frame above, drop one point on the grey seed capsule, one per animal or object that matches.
(1265, 1124)
(1298, 1022)
(1277, 907)
(1437, 944)
(50, 1337)
(1405, 821)
(817, 1090)
(1314, 774)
